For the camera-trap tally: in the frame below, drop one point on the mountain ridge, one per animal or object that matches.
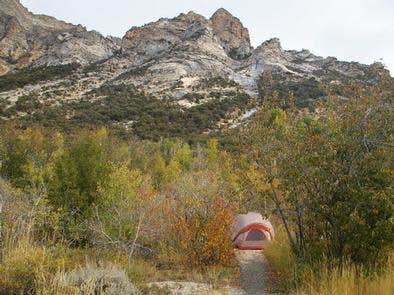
(34, 39)
(190, 63)
(230, 31)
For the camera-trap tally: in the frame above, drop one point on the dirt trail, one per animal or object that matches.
(254, 272)
(254, 279)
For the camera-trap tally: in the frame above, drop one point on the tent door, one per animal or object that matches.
(255, 235)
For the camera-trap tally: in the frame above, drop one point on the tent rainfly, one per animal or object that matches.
(251, 231)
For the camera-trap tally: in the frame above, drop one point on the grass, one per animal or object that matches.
(348, 281)
(281, 261)
(300, 278)
(27, 267)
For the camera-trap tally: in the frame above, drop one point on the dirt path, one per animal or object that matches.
(254, 279)
(254, 272)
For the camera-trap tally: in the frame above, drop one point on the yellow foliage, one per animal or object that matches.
(120, 186)
(212, 150)
(172, 172)
(203, 237)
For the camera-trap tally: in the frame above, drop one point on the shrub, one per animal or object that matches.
(199, 227)
(25, 154)
(108, 280)
(118, 219)
(34, 75)
(28, 268)
(74, 180)
(325, 277)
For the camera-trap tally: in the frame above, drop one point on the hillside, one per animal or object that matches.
(173, 77)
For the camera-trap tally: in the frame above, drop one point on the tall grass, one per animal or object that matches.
(347, 281)
(323, 279)
(281, 261)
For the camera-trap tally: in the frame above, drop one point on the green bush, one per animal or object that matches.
(34, 75)
(329, 178)
(147, 117)
(74, 180)
(25, 154)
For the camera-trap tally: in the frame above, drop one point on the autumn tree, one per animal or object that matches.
(329, 177)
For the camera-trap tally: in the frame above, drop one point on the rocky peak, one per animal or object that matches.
(234, 37)
(153, 39)
(164, 28)
(272, 45)
(28, 20)
(191, 16)
(270, 49)
(13, 8)
(27, 38)
(188, 60)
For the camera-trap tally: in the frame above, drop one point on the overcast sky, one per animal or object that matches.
(358, 30)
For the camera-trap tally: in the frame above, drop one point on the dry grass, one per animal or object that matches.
(92, 279)
(281, 261)
(348, 281)
(305, 280)
(27, 267)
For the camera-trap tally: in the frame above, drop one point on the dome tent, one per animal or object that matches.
(251, 231)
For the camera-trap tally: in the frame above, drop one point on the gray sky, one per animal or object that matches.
(358, 30)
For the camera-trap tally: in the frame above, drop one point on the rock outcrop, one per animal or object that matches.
(26, 38)
(231, 33)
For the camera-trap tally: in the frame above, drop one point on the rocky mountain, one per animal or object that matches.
(185, 72)
(29, 39)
